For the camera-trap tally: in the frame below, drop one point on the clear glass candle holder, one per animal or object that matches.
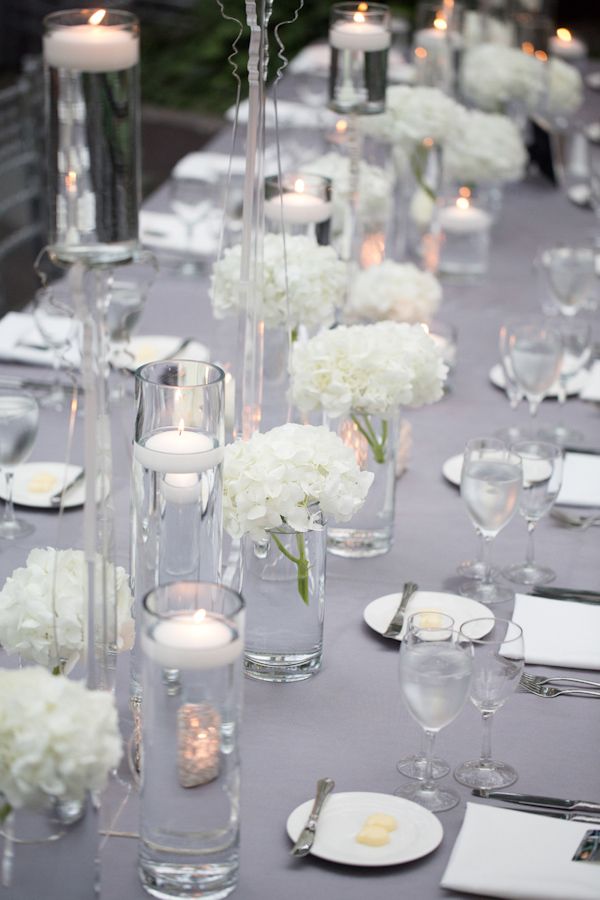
(464, 236)
(192, 643)
(360, 37)
(299, 203)
(91, 60)
(433, 45)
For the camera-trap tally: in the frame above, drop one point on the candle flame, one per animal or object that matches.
(363, 7)
(464, 192)
(341, 126)
(539, 54)
(181, 427)
(439, 22)
(462, 203)
(358, 18)
(428, 142)
(420, 52)
(71, 181)
(563, 34)
(97, 17)
(527, 47)
(199, 616)
(299, 185)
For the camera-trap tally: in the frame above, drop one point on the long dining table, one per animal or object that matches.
(349, 721)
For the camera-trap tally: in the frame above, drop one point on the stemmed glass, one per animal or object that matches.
(413, 766)
(18, 427)
(191, 200)
(498, 659)
(542, 477)
(576, 337)
(55, 322)
(569, 275)
(535, 351)
(513, 389)
(435, 673)
(490, 485)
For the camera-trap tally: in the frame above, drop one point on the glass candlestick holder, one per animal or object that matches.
(299, 203)
(359, 36)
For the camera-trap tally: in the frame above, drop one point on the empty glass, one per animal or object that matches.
(535, 352)
(498, 658)
(435, 673)
(18, 427)
(490, 486)
(542, 477)
(568, 278)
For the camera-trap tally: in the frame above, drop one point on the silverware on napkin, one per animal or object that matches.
(307, 835)
(548, 691)
(558, 593)
(55, 498)
(395, 626)
(588, 807)
(539, 680)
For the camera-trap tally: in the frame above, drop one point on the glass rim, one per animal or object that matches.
(484, 639)
(289, 178)
(373, 9)
(80, 15)
(555, 450)
(141, 373)
(163, 616)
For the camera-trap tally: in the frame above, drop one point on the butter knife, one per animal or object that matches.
(577, 806)
(55, 498)
(578, 596)
(395, 626)
(307, 835)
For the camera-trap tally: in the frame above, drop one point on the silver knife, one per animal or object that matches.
(55, 498)
(307, 835)
(556, 803)
(578, 596)
(553, 814)
(395, 626)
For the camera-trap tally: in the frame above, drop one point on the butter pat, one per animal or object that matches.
(42, 483)
(373, 836)
(382, 820)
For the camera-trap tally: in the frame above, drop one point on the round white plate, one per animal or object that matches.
(452, 469)
(378, 614)
(148, 348)
(418, 833)
(574, 384)
(25, 474)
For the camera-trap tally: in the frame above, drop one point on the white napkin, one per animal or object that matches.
(166, 232)
(289, 115)
(558, 632)
(208, 166)
(581, 480)
(505, 853)
(21, 341)
(591, 388)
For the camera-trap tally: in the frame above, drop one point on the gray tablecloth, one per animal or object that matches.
(350, 721)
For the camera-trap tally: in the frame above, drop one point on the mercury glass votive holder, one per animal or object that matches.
(299, 203)
(359, 36)
(192, 636)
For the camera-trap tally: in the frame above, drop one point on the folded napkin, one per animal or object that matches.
(21, 340)
(591, 388)
(208, 166)
(504, 853)
(289, 115)
(558, 632)
(581, 480)
(165, 231)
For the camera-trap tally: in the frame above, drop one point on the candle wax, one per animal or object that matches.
(367, 36)
(171, 450)
(183, 642)
(297, 209)
(455, 220)
(91, 48)
(569, 50)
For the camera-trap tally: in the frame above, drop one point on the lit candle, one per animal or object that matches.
(566, 46)
(462, 218)
(178, 450)
(359, 34)
(298, 207)
(92, 47)
(194, 640)
(432, 38)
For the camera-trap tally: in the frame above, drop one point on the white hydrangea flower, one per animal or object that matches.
(566, 88)
(374, 189)
(370, 369)
(397, 291)
(484, 147)
(316, 282)
(413, 114)
(54, 635)
(273, 479)
(57, 739)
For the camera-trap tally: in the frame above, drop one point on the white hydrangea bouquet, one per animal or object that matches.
(58, 740)
(302, 285)
(375, 187)
(484, 148)
(413, 114)
(367, 370)
(400, 292)
(286, 477)
(43, 608)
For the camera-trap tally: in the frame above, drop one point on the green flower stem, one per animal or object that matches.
(419, 159)
(5, 811)
(300, 561)
(368, 432)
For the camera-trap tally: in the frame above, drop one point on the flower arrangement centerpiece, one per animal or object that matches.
(484, 148)
(43, 608)
(303, 283)
(399, 292)
(58, 740)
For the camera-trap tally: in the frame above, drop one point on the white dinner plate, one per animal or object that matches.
(452, 469)
(148, 348)
(418, 833)
(378, 614)
(574, 384)
(24, 475)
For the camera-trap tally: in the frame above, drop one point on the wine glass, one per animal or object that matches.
(568, 278)
(535, 352)
(542, 477)
(576, 335)
(476, 568)
(413, 766)
(191, 200)
(54, 321)
(490, 485)
(435, 673)
(498, 658)
(18, 427)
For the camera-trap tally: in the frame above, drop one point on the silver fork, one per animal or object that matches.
(575, 521)
(545, 690)
(539, 680)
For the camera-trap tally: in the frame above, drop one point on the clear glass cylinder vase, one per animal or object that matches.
(283, 583)
(192, 642)
(420, 170)
(374, 441)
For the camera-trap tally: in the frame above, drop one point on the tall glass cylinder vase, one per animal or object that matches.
(177, 479)
(360, 37)
(192, 643)
(92, 76)
(283, 581)
(420, 169)
(374, 440)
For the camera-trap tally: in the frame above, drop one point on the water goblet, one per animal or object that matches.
(568, 274)
(576, 335)
(498, 659)
(535, 352)
(542, 477)
(413, 766)
(490, 485)
(18, 427)
(435, 673)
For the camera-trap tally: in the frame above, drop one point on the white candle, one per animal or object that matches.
(91, 47)
(175, 450)
(359, 35)
(298, 207)
(430, 38)
(194, 640)
(462, 218)
(181, 487)
(564, 45)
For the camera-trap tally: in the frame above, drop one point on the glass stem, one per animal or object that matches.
(486, 558)
(428, 783)
(530, 556)
(9, 511)
(486, 740)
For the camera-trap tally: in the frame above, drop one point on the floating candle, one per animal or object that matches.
(462, 218)
(298, 207)
(176, 450)
(567, 47)
(359, 34)
(92, 47)
(195, 640)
